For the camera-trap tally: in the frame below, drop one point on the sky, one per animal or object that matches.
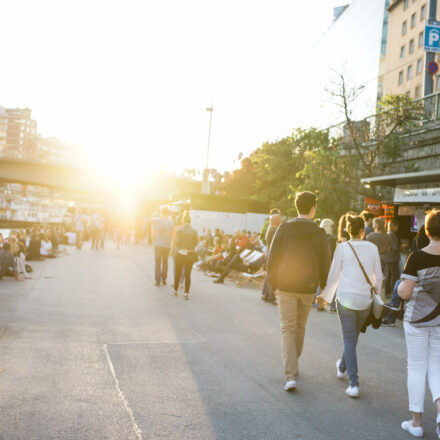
(130, 80)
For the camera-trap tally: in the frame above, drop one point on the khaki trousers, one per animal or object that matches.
(294, 309)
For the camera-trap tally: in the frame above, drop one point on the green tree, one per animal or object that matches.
(376, 140)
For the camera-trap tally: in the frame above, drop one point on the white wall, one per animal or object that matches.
(229, 222)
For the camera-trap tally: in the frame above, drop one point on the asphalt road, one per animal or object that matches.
(90, 349)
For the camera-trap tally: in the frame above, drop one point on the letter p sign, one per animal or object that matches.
(434, 37)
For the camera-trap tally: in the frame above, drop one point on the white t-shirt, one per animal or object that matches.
(345, 275)
(46, 247)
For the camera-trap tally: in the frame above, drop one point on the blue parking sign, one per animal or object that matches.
(432, 37)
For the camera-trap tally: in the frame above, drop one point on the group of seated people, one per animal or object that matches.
(26, 245)
(220, 254)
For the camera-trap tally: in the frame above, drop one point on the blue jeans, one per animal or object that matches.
(395, 298)
(394, 302)
(351, 323)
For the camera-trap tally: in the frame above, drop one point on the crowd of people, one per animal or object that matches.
(299, 262)
(300, 266)
(24, 245)
(306, 261)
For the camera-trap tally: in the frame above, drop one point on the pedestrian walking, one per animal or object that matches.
(368, 219)
(329, 227)
(79, 229)
(298, 262)
(380, 238)
(185, 243)
(392, 258)
(267, 293)
(178, 223)
(354, 260)
(420, 285)
(162, 233)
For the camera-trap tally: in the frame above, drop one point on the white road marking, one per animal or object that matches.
(136, 429)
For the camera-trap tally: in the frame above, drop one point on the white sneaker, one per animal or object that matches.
(290, 385)
(352, 391)
(410, 429)
(437, 429)
(339, 374)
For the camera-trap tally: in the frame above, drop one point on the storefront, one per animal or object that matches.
(414, 193)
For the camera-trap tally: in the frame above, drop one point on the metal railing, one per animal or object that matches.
(371, 127)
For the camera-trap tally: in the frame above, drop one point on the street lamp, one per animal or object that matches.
(210, 110)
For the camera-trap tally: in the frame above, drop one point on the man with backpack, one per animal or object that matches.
(298, 262)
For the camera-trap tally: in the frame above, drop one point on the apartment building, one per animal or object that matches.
(403, 68)
(21, 134)
(3, 128)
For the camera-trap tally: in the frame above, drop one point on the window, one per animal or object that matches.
(404, 28)
(423, 12)
(405, 5)
(402, 52)
(418, 92)
(409, 73)
(419, 65)
(400, 77)
(413, 20)
(421, 39)
(408, 93)
(411, 46)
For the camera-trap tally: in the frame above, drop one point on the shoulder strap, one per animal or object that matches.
(362, 267)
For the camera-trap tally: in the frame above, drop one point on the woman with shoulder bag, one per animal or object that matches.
(185, 243)
(353, 262)
(420, 285)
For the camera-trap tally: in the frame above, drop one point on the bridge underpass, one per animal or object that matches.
(85, 181)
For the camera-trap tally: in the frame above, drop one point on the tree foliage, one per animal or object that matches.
(330, 166)
(306, 160)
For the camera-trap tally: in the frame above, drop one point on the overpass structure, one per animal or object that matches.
(51, 175)
(87, 181)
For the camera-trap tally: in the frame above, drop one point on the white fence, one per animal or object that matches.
(228, 222)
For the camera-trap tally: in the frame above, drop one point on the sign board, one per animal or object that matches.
(432, 67)
(423, 193)
(432, 37)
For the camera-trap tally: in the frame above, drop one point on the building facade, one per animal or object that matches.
(403, 69)
(18, 133)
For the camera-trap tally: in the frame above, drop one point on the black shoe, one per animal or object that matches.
(333, 309)
(157, 284)
(388, 323)
(218, 281)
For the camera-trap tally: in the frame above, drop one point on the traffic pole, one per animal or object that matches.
(430, 56)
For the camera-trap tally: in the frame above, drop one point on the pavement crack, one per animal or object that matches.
(136, 429)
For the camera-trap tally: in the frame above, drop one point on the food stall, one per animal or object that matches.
(414, 193)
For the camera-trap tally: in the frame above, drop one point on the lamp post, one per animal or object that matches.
(205, 185)
(210, 110)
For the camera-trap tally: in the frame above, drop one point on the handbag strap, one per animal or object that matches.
(362, 267)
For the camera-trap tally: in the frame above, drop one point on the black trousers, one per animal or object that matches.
(237, 264)
(183, 262)
(392, 275)
(161, 264)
